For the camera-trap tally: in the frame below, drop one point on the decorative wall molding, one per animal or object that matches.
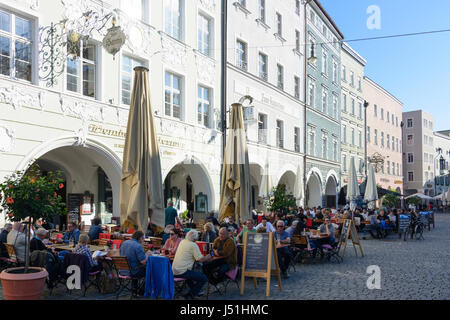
(209, 5)
(17, 97)
(174, 52)
(138, 34)
(81, 137)
(81, 110)
(7, 139)
(206, 69)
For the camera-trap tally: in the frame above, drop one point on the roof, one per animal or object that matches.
(382, 89)
(353, 53)
(329, 18)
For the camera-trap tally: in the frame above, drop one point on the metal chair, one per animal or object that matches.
(123, 275)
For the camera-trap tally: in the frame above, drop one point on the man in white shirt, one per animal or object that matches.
(266, 224)
(187, 253)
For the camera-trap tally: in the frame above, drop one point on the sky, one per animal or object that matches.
(416, 69)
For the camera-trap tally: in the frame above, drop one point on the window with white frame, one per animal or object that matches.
(335, 71)
(204, 34)
(335, 150)
(396, 122)
(359, 84)
(375, 110)
(15, 46)
(388, 141)
(173, 95)
(396, 145)
(353, 136)
(360, 138)
(324, 100)
(81, 68)
(398, 171)
(375, 136)
(241, 55)
(344, 162)
(280, 76)
(382, 114)
(368, 134)
(173, 18)
(135, 9)
(352, 78)
(410, 176)
(128, 65)
(311, 142)
(324, 61)
(344, 102)
(410, 157)
(262, 10)
(388, 167)
(387, 116)
(353, 107)
(262, 66)
(280, 133)
(297, 87)
(311, 95)
(297, 139)
(297, 40)
(393, 119)
(344, 74)
(393, 143)
(335, 106)
(360, 166)
(204, 106)
(382, 139)
(262, 128)
(359, 110)
(344, 133)
(297, 7)
(279, 24)
(409, 123)
(324, 146)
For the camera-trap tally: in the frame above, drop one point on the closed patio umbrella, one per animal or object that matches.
(371, 194)
(235, 182)
(266, 182)
(298, 186)
(353, 188)
(443, 197)
(141, 192)
(448, 197)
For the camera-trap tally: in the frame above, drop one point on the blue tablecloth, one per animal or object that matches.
(159, 278)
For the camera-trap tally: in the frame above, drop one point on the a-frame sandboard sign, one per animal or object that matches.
(260, 259)
(349, 232)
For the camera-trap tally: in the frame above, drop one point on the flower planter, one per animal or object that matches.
(23, 286)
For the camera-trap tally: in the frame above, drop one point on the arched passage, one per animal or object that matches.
(288, 179)
(331, 192)
(256, 172)
(313, 191)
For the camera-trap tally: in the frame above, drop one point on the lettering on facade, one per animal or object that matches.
(270, 101)
(107, 132)
(170, 143)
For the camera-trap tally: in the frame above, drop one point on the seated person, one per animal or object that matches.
(211, 218)
(266, 224)
(319, 215)
(375, 226)
(327, 228)
(4, 239)
(299, 228)
(284, 254)
(183, 264)
(171, 245)
(17, 238)
(225, 257)
(37, 242)
(209, 235)
(292, 228)
(95, 229)
(137, 258)
(166, 234)
(247, 228)
(232, 226)
(82, 248)
(72, 233)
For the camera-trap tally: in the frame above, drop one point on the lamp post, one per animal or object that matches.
(366, 104)
(439, 152)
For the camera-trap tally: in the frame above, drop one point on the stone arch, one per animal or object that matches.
(314, 188)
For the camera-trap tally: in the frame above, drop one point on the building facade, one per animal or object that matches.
(384, 135)
(353, 139)
(441, 165)
(75, 120)
(265, 65)
(323, 110)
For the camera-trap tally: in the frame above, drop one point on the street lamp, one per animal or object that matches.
(439, 152)
(312, 58)
(366, 104)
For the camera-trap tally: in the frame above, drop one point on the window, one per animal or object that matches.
(382, 139)
(368, 134)
(382, 114)
(204, 35)
(410, 139)
(393, 143)
(312, 89)
(262, 10)
(128, 65)
(135, 9)
(396, 122)
(344, 102)
(392, 119)
(360, 167)
(15, 46)
(388, 144)
(324, 147)
(359, 110)
(344, 162)
(297, 87)
(387, 116)
(335, 150)
(425, 139)
(324, 62)
(263, 66)
(297, 40)
(324, 100)
(204, 106)
(375, 136)
(410, 176)
(409, 123)
(280, 76)
(280, 134)
(279, 24)
(81, 69)
(173, 94)
(344, 73)
(311, 143)
(398, 171)
(262, 128)
(360, 138)
(344, 133)
(352, 78)
(375, 111)
(410, 158)
(335, 106)
(353, 107)
(396, 145)
(353, 136)
(388, 167)
(359, 84)
(297, 139)
(312, 44)
(335, 72)
(173, 16)
(297, 7)
(241, 55)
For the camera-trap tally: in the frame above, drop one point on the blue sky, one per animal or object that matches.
(416, 70)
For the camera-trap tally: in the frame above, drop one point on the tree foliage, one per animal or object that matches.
(280, 201)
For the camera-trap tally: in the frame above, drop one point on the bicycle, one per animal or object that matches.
(415, 229)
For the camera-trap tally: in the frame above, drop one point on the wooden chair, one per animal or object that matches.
(123, 275)
(102, 242)
(13, 260)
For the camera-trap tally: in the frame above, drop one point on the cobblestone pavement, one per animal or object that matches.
(415, 269)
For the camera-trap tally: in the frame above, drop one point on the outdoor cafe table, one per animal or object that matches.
(61, 247)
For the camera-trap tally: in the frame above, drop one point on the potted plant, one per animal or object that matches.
(28, 196)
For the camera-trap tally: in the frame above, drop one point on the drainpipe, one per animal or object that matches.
(223, 107)
(304, 108)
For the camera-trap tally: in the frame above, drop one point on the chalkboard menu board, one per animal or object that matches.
(344, 233)
(349, 229)
(403, 223)
(75, 200)
(257, 251)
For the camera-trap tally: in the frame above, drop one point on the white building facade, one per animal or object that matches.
(78, 124)
(266, 61)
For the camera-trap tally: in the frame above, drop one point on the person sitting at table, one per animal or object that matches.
(137, 257)
(83, 249)
(211, 218)
(231, 225)
(95, 229)
(166, 234)
(225, 257)
(72, 233)
(292, 228)
(247, 228)
(283, 253)
(299, 228)
(17, 238)
(374, 225)
(319, 215)
(187, 254)
(209, 235)
(266, 224)
(37, 242)
(171, 245)
(4, 239)
(327, 228)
